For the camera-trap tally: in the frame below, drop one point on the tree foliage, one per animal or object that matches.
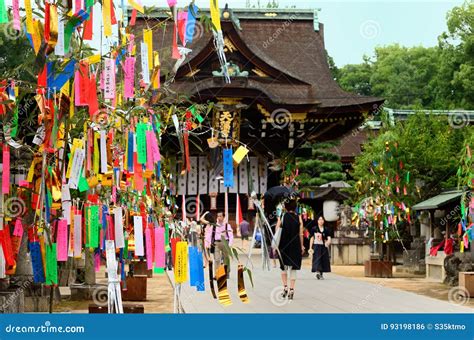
(440, 77)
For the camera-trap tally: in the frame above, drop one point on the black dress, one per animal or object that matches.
(290, 244)
(321, 253)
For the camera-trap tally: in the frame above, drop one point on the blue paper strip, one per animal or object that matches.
(200, 271)
(191, 23)
(37, 262)
(193, 275)
(228, 168)
(59, 81)
(131, 136)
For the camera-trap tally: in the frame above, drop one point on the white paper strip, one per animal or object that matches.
(193, 176)
(66, 202)
(59, 48)
(182, 184)
(254, 174)
(118, 222)
(77, 162)
(103, 152)
(262, 169)
(77, 235)
(213, 183)
(138, 232)
(2, 264)
(243, 177)
(144, 59)
(202, 174)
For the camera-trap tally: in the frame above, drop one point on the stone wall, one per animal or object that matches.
(350, 246)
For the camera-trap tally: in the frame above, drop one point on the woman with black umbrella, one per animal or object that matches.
(290, 246)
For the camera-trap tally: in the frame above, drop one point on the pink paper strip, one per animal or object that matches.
(16, 15)
(6, 170)
(77, 235)
(77, 89)
(18, 231)
(159, 247)
(97, 262)
(129, 69)
(153, 143)
(61, 240)
(149, 152)
(109, 78)
(149, 249)
(171, 3)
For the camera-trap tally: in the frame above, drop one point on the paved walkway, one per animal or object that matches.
(335, 294)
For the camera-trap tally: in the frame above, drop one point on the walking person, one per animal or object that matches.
(244, 230)
(320, 241)
(290, 246)
(215, 234)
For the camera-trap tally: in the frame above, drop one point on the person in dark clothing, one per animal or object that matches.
(290, 246)
(320, 241)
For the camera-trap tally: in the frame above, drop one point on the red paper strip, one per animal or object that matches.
(133, 18)
(93, 101)
(89, 24)
(175, 54)
(113, 19)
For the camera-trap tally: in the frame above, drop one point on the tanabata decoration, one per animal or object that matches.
(99, 182)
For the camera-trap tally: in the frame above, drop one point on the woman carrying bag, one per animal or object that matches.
(320, 241)
(290, 246)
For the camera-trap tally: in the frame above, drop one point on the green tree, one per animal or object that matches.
(355, 78)
(323, 167)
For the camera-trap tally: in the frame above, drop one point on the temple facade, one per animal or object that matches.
(281, 92)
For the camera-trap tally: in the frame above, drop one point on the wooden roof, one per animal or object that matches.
(284, 53)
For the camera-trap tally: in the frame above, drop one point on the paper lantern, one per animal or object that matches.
(331, 210)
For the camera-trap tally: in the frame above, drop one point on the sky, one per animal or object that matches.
(353, 28)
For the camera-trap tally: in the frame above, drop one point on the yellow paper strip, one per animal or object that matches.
(136, 6)
(148, 40)
(29, 16)
(106, 18)
(215, 15)
(77, 143)
(181, 262)
(93, 59)
(240, 153)
(96, 154)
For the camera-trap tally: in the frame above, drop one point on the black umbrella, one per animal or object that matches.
(280, 192)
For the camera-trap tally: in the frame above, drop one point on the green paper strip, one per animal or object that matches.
(159, 270)
(89, 3)
(196, 115)
(82, 185)
(3, 12)
(93, 220)
(141, 143)
(125, 250)
(51, 265)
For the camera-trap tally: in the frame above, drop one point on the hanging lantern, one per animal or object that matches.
(213, 196)
(250, 205)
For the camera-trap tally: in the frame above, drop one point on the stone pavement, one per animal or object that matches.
(335, 294)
